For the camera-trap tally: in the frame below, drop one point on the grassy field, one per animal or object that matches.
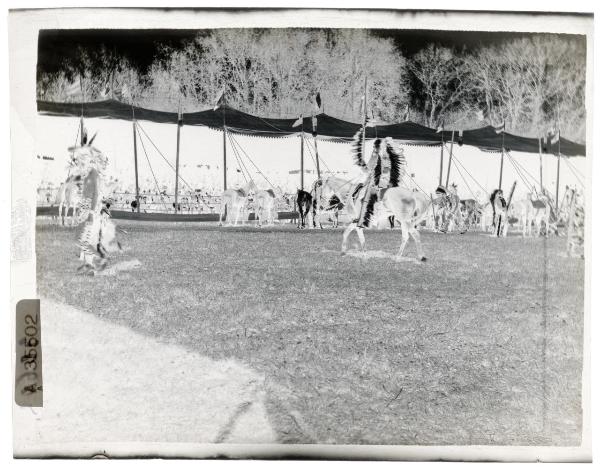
(482, 344)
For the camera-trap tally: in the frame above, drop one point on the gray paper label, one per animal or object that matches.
(28, 363)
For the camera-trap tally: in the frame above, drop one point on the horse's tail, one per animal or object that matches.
(223, 209)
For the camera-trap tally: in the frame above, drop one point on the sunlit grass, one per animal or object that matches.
(358, 350)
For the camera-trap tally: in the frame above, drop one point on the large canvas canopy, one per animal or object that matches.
(485, 138)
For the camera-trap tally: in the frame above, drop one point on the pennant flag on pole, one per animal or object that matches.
(298, 121)
(554, 135)
(318, 102)
(500, 128)
(314, 126)
(220, 100)
(440, 127)
(460, 138)
(545, 144)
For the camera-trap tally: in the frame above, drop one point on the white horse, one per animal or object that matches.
(265, 205)
(69, 198)
(409, 209)
(234, 201)
(537, 212)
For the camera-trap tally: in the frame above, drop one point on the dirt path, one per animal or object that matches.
(106, 383)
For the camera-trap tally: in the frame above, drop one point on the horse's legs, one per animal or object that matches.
(361, 237)
(505, 226)
(417, 237)
(73, 208)
(405, 237)
(237, 214)
(351, 227)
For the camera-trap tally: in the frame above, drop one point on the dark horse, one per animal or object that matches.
(334, 206)
(499, 209)
(303, 203)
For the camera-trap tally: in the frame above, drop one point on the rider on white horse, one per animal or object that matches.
(379, 170)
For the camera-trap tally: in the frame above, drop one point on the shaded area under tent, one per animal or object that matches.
(473, 167)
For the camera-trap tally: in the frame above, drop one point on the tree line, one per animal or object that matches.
(531, 83)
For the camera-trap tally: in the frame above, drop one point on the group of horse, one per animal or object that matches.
(366, 205)
(444, 211)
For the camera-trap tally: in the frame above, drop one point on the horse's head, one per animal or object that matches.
(250, 188)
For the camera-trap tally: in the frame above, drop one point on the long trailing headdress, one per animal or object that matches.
(357, 150)
(398, 162)
(386, 150)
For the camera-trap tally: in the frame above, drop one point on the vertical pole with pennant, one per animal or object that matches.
(450, 160)
(314, 124)
(541, 169)
(441, 159)
(501, 162)
(558, 173)
(179, 124)
(224, 153)
(135, 161)
(302, 157)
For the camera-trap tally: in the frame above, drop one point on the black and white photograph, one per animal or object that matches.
(335, 234)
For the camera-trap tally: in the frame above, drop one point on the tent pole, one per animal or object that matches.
(314, 134)
(224, 153)
(302, 159)
(81, 142)
(501, 161)
(450, 160)
(135, 160)
(317, 157)
(541, 172)
(441, 160)
(558, 173)
(501, 169)
(179, 124)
